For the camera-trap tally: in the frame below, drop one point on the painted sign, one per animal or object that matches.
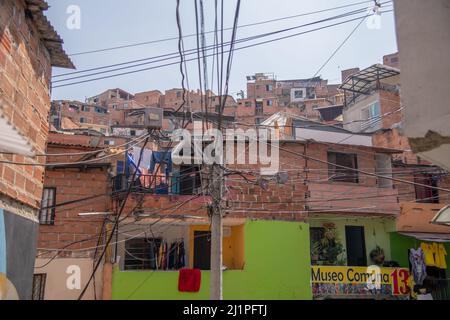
(372, 280)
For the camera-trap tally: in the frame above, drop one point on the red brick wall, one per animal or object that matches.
(74, 184)
(25, 73)
(390, 102)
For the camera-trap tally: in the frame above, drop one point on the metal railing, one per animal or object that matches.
(440, 289)
(158, 184)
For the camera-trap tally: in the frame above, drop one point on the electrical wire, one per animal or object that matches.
(242, 26)
(192, 59)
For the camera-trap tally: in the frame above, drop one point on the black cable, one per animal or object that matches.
(192, 51)
(115, 224)
(242, 26)
(237, 49)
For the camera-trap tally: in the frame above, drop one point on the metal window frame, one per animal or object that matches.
(50, 221)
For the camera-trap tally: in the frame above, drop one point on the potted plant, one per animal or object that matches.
(377, 255)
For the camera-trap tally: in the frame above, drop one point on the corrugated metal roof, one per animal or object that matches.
(362, 81)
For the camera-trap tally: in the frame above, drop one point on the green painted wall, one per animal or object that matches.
(400, 245)
(376, 231)
(277, 266)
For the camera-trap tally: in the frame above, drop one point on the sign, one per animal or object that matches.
(372, 280)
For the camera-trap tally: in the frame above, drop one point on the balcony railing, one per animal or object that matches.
(440, 289)
(159, 184)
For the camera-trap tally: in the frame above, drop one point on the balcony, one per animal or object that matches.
(172, 184)
(352, 198)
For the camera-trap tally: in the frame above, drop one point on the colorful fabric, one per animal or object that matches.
(428, 251)
(441, 256)
(417, 259)
(189, 280)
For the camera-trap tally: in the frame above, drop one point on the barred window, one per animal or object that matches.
(47, 213)
(39, 286)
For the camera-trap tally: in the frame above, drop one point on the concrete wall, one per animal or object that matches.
(57, 275)
(424, 48)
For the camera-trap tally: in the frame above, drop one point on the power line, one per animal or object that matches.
(192, 51)
(208, 32)
(192, 59)
(63, 164)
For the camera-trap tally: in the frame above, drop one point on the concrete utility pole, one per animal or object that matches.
(216, 233)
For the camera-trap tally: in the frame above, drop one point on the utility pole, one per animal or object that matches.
(215, 211)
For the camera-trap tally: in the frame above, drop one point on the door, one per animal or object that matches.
(356, 246)
(202, 250)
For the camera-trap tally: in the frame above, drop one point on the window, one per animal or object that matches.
(125, 105)
(109, 142)
(141, 254)
(269, 87)
(154, 254)
(178, 94)
(114, 106)
(298, 94)
(85, 108)
(316, 235)
(285, 92)
(47, 212)
(372, 115)
(426, 194)
(83, 120)
(348, 160)
(217, 108)
(132, 133)
(248, 103)
(356, 246)
(39, 286)
(269, 103)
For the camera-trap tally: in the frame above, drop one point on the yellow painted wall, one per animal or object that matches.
(233, 246)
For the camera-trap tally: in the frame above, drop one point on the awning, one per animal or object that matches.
(431, 237)
(442, 217)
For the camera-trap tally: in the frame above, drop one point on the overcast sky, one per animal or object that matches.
(109, 23)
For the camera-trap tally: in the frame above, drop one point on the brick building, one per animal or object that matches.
(85, 116)
(66, 238)
(266, 95)
(29, 47)
(304, 195)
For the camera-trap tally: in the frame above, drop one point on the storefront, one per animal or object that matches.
(351, 258)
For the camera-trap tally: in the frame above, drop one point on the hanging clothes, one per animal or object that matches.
(146, 157)
(161, 157)
(417, 260)
(189, 280)
(441, 256)
(429, 254)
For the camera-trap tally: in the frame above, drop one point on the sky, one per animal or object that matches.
(109, 23)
